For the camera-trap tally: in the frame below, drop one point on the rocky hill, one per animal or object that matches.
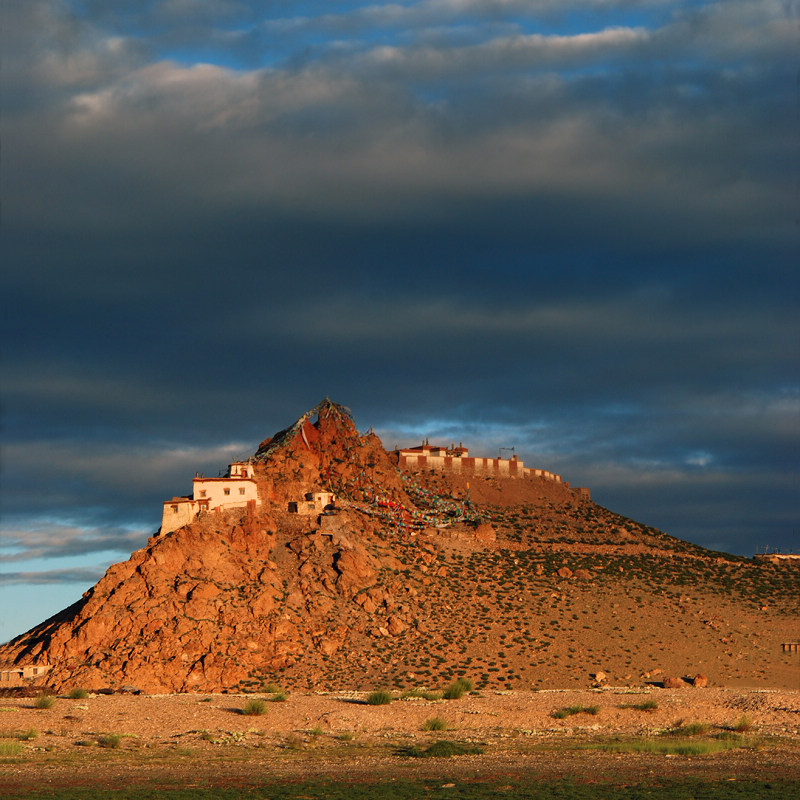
(412, 579)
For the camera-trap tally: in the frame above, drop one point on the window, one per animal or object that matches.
(241, 490)
(202, 493)
(175, 509)
(226, 491)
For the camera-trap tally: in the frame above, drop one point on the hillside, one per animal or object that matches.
(411, 579)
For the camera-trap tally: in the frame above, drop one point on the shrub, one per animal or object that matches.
(26, 736)
(435, 724)
(693, 729)
(445, 749)
(272, 688)
(379, 698)
(569, 711)
(278, 697)
(111, 741)
(44, 701)
(646, 705)
(78, 694)
(425, 694)
(254, 708)
(742, 725)
(457, 689)
(9, 748)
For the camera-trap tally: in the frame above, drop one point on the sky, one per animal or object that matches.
(571, 229)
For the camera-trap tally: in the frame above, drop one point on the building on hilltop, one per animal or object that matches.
(237, 489)
(458, 459)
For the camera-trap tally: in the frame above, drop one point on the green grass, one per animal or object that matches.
(444, 749)
(506, 787)
(569, 711)
(457, 689)
(379, 697)
(78, 693)
(691, 729)
(742, 725)
(9, 748)
(44, 701)
(425, 694)
(678, 746)
(646, 705)
(435, 724)
(254, 708)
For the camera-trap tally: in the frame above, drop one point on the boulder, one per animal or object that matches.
(674, 683)
(564, 572)
(700, 680)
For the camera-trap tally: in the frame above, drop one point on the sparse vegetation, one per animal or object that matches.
(112, 741)
(424, 694)
(675, 746)
(444, 749)
(9, 748)
(78, 693)
(435, 724)
(254, 708)
(379, 697)
(457, 689)
(645, 705)
(691, 729)
(742, 725)
(569, 711)
(44, 701)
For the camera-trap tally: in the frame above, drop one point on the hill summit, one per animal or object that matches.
(324, 561)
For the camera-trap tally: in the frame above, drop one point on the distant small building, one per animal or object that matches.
(17, 675)
(312, 503)
(237, 489)
(458, 459)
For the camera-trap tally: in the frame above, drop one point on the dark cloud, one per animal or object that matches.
(497, 222)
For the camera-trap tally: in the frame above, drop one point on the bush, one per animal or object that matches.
(111, 741)
(379, 698)
(445, 749)
(742, 725)
(78, 694)
(44, 701)
(646, 705)
(278, 697)
(425, 694)
(569, 711)
(457, 689)
(9, 748)
(693, 729)
(272, 688)
(435, 724)
(254, 708)
(26, 736)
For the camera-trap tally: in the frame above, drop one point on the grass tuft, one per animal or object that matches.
(742, 725)
(112, 741)
(457, 689)
(569, 711)
(445, 749)
(435, 724)
(379, 698)
(9, 748)
(646, 705)
(44, 701)
(254, 708)
(78, 693)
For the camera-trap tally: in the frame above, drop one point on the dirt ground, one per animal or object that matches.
(206, 739)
